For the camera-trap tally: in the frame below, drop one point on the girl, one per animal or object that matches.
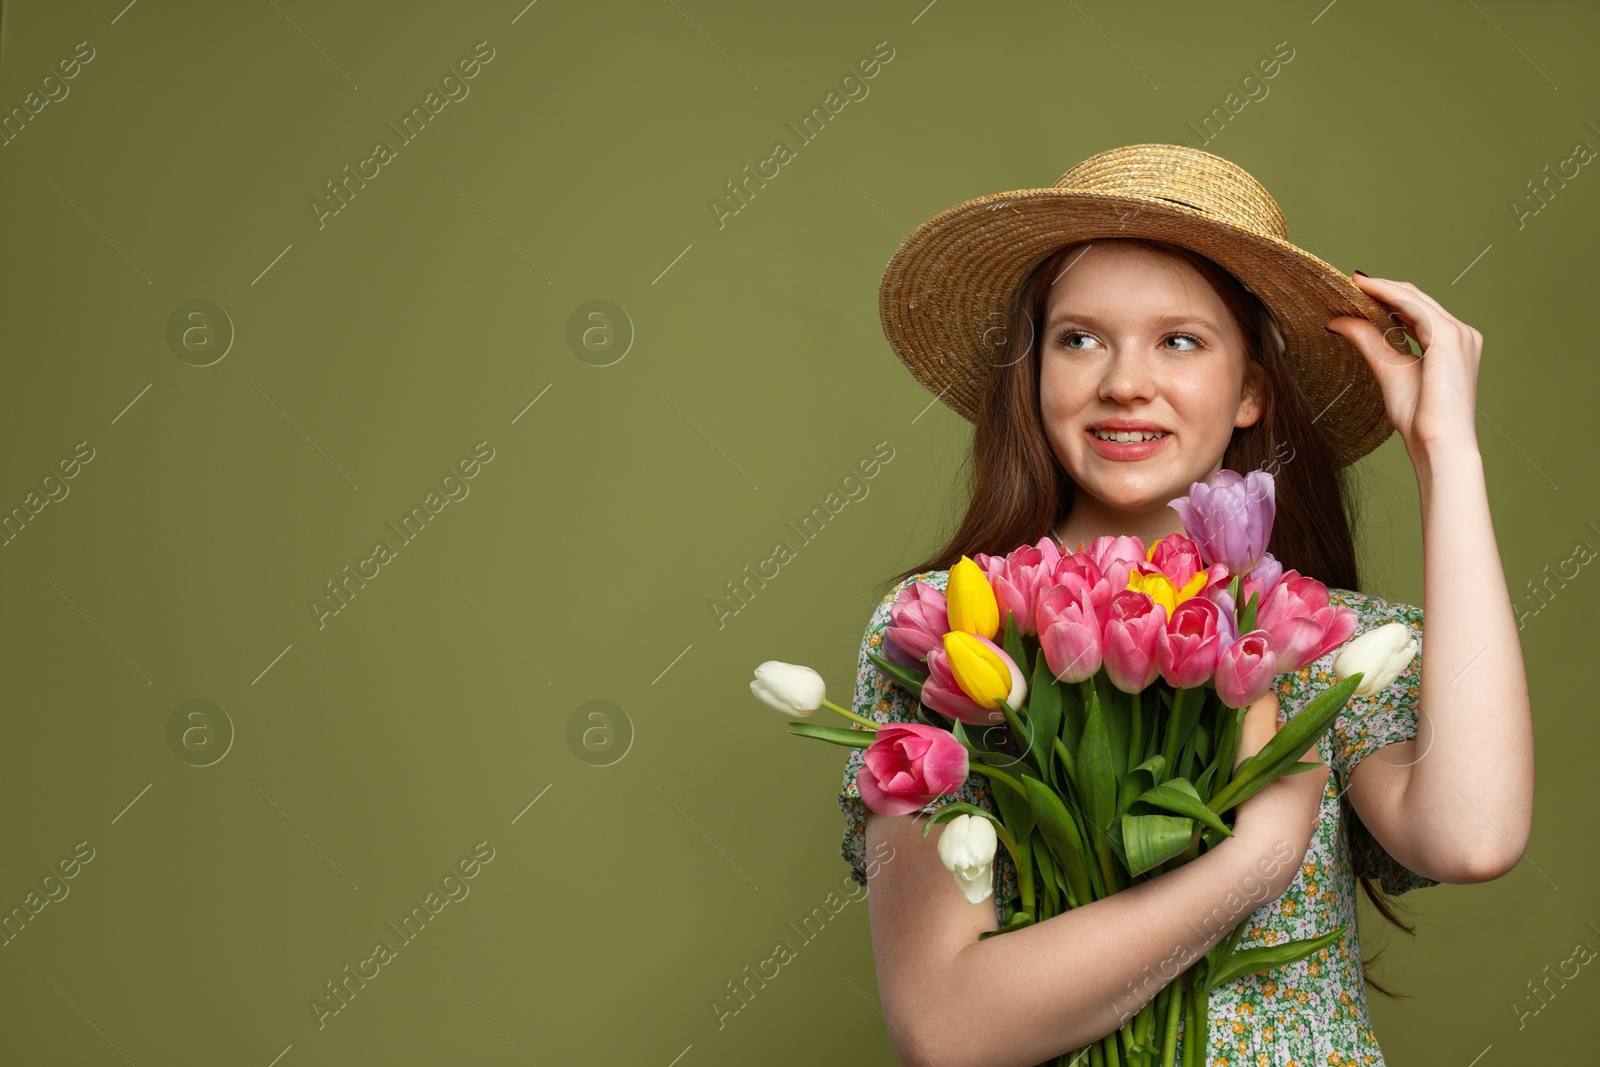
(1115, 338)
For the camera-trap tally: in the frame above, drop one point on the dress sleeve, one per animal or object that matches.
(1368, 724)
(877, 697)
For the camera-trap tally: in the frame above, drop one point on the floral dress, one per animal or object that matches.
(1310, 1013)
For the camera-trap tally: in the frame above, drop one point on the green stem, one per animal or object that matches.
(1113, 1056)
(1174, 1004)
(999, 776)
(1025, 882)
(1067, 759)
(1024, 870)
(1023, 735)
(1174, 724)
(847, 713)
(1147, 1030)
(1135, 752)
(1108, 870)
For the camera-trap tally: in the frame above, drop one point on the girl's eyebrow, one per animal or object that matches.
(1187, 319)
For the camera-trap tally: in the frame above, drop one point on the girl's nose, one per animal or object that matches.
(1127, 380)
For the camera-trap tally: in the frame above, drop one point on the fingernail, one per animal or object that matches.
(1331, 330)
(1362, 273)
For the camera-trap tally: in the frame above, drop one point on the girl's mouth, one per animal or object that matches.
(1126, 445)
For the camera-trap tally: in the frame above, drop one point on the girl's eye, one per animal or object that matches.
(1064, 338)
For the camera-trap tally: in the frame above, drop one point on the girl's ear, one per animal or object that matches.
(1251, 397)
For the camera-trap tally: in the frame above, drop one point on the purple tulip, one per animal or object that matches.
(1069, 633)
(1128, 643)
(1230, 518)
(1246, 670)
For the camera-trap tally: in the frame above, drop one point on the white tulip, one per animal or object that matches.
(967, 845)
(1381, 655)
(789, 688)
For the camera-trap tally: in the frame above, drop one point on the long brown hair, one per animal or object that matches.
(1018, 492)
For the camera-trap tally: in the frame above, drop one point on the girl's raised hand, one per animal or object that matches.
(1431, 400)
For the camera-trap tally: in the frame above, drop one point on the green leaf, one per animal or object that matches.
(1178, 796)
(1301, 766)
(1097, 776)
(907, 677)
(1012, 643)
(1013, 809)
(1016, 812)
(1141, 778)
(1016, 922)
(1073, 712)
(1114, 711)
(1060, 831)
(837, 735)
(1247, 617)
(1266, 957)
(1044, 718)
(1149, 840)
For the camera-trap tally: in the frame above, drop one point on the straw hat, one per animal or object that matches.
(946, 292)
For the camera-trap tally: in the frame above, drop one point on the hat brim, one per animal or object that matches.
(945, 296)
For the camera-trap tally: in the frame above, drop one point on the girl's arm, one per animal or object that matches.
(1455, 804)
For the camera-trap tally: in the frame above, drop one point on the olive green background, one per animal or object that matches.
(642, 858)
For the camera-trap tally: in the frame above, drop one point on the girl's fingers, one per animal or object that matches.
(1412, 305)
(1388, 365)
(1259, 725)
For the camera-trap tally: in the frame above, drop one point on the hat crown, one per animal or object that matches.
(1184, 176)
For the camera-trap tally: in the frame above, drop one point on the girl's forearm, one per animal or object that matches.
(1022, 997)
(1475, 731)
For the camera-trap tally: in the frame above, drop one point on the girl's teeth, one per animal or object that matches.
(1128, 436)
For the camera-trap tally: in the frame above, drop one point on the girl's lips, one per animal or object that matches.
(1133, 450)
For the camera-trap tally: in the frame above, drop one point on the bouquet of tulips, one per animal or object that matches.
(1102, 692)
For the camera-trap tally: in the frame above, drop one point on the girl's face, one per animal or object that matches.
(1142, 376)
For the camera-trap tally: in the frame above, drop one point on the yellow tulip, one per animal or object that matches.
(983, 675)
(1162, 590)
(970, 600)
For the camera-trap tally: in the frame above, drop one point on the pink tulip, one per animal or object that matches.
(1016, 578)
(908, 766)
(1187, 648)
(892, 652)
(1301, 623)
(1077, 572)
(943, 694)
(1128, 643)
(1115, 556)
(1246, 670)
(918, 620)
(1260, 580)
(1178, 558)
(1069, 633)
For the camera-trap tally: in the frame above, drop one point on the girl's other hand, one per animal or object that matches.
(1285, 811)
(1430, 399)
